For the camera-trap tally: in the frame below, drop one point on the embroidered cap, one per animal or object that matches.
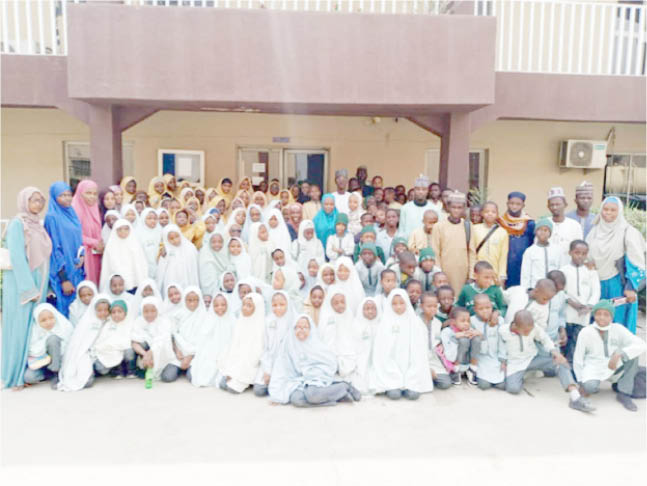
(457, 197)
(427, 254)
(341, 172)
(544, 222)
(422, 181)
(584, 188)
(556, 192)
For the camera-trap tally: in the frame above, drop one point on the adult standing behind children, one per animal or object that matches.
(583, 201)
(86, 207)
(341, 194)
(412, 212)
(521, 233)
(565, 229)
(618, 251)
(450, 239)
(64, 229)
(25, 285)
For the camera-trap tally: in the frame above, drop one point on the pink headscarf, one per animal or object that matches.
(88, 215)
(38, 245)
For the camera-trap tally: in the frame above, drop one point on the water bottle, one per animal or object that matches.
(149, 378)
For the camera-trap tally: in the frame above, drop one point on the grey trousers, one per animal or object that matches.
(468, 348)
(101, 369)
(486, 385)
(514, 382)
(408, 394)
(627, 373)
(260, 390)
(171, 373)
(443, 382)
(53, 349)
(313, 396)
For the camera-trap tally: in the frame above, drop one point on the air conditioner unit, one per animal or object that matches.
(583, 154)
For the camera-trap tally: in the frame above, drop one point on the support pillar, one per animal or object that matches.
(105, 145)
(455, 153)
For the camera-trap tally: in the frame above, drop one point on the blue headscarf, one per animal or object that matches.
(64, 228)
(324, 222)
(301, 363)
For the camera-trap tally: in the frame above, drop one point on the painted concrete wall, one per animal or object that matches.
(521, 151)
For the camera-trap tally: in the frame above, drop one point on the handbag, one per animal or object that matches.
(621, 266)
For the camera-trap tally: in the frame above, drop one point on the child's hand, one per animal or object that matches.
(559, 359)
(590, 264)
(461, 334)
(583, 310)
(613, 362)
(563, 337)
(266, 378)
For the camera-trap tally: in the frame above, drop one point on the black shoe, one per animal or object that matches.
(614, 387)
(626, 401)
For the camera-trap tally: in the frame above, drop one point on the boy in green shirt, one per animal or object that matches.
(484, 278)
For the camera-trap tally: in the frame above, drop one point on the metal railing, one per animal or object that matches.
(540, 36)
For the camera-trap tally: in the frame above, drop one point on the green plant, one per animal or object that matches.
(477, 196)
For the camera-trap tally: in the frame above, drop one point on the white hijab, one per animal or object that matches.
(279, 236)
(241, 263)
(113, 339)
(77, 307)
(124, 210)
(124, 256)
(320, 280)
(400, 358)
(308, 249)
(127, 297)
(247, 227)
(215, 261)
(354, 217)
(204, 367)
(352, 287)
(364, 331)
(260, 253)
(336, 331)
(180, 264)
(156, 334)
(139, 296)
(150, 239)
(242, 359)
(169, 308)
(192, 326)
(607, 242)
(105, 229)
(77, 363)
(38, 338)
(232, 220)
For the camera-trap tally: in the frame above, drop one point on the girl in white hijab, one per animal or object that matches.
(286, 279)
(212, 224)
(355, 213)
(279, 234)
(214, 261)
(326, 276)
(85, 292)
(364, 329)
(77, 371)
(125, 256)
(111, 215)
(179, 262)
(307, 246)
(239, 260)
(254, 215)
(146, 289)
(336, 331)
(260, 251)
(237, 216)
(129, 213)
(220, 320)
(277, 324)
(112, 350)
(400, 358)
(347, 279)
(115, 289)
(172, 301)
(149, 234)
(191, 330)
(152, 341)
(50, 334)
(242, 360)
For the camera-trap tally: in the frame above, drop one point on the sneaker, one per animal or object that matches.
(582, 405)
(130, 376)
(471, 377)
(117, 377)
(456, 379)
(626, 401)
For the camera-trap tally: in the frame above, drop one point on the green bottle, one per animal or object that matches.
(149, 378)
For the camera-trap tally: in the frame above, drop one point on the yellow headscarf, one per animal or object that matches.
(261, 193)
(167, 178)
(249, 197)
(249, 180)
(291, 198)
(270, 196)
(198, 212)
(191, 232)
(128, 196)
(154, 197)
(229, 196)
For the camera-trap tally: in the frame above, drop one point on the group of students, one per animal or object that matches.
(315, 300)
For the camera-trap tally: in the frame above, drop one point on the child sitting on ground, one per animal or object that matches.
(341, 243)
(460, 346)
(606, 351)
(484, 283)
(520, 341)
(488, 323)
(582, 293)
(112, 348)
(85, 292)
(50, 333)
(312, 305)
(426, 269)
(369, 268)
(429, 308)
(541, 257)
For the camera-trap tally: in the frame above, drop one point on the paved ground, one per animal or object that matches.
(120, 422)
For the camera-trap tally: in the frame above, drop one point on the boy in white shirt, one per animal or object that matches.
(541, 257)
(582, 292)
(490, 372)
(342, 242)
(520, 350)
(429, 308)
(607, 351)
(565, 229)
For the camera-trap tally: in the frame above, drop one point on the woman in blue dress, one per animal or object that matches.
(64, 228)
(25, 285)
(324, 220)
(618, 251)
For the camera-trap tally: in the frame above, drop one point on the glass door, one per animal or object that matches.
(305, 165)
(259, 164)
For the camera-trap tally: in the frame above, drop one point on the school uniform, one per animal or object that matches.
(112, 348)
(490, 354)
(334, 242)
(470, 290)
(442, 379)
(494, 250)
(583, 287)
(563, 233)
(596, 345)
(521, 355)
(538, 261)
(419, 239)
(369, 276)
(518, 299)
(459, 351)
(426, 278)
